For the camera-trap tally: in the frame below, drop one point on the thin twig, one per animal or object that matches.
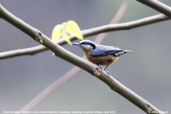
(88, 32)
(157, 5)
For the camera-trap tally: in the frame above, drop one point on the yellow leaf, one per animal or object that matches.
(65, 36)
(72, 28)
(57, 32)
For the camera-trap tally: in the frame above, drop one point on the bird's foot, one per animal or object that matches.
(103, 69)
(98, 70)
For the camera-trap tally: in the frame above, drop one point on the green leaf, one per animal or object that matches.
(72, 28)
(65, 36)
(57, 32)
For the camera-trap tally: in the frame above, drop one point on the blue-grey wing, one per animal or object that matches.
(105, 50)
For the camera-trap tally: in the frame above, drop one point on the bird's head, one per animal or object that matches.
(86, 45)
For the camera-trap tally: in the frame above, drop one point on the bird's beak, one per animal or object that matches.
(129, 51)
(76, 44)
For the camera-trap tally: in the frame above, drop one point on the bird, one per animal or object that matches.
(101, 54)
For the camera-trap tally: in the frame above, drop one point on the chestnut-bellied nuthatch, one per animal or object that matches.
(101, 54)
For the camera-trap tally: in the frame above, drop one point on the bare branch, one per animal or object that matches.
(86, 65)
(20, 52)
(71, 73)
(88, 32)
(157, 5)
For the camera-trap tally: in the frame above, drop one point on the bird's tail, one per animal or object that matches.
(121, 52)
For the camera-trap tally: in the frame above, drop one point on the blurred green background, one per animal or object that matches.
(147, 71)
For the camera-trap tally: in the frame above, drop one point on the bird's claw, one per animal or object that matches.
(103, 69)
(100, 67)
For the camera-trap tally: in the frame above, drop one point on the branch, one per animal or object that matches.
(71, 73)
(157, 5)
(88, 32)
(74, 59)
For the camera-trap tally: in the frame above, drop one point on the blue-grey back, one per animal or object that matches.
(102, 50)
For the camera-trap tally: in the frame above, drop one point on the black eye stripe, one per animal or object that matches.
(87, 43)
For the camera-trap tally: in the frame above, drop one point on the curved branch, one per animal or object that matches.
(86, 65)
(157, 5)
(88, 32)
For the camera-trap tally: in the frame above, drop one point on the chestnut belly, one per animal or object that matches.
(102, 60)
